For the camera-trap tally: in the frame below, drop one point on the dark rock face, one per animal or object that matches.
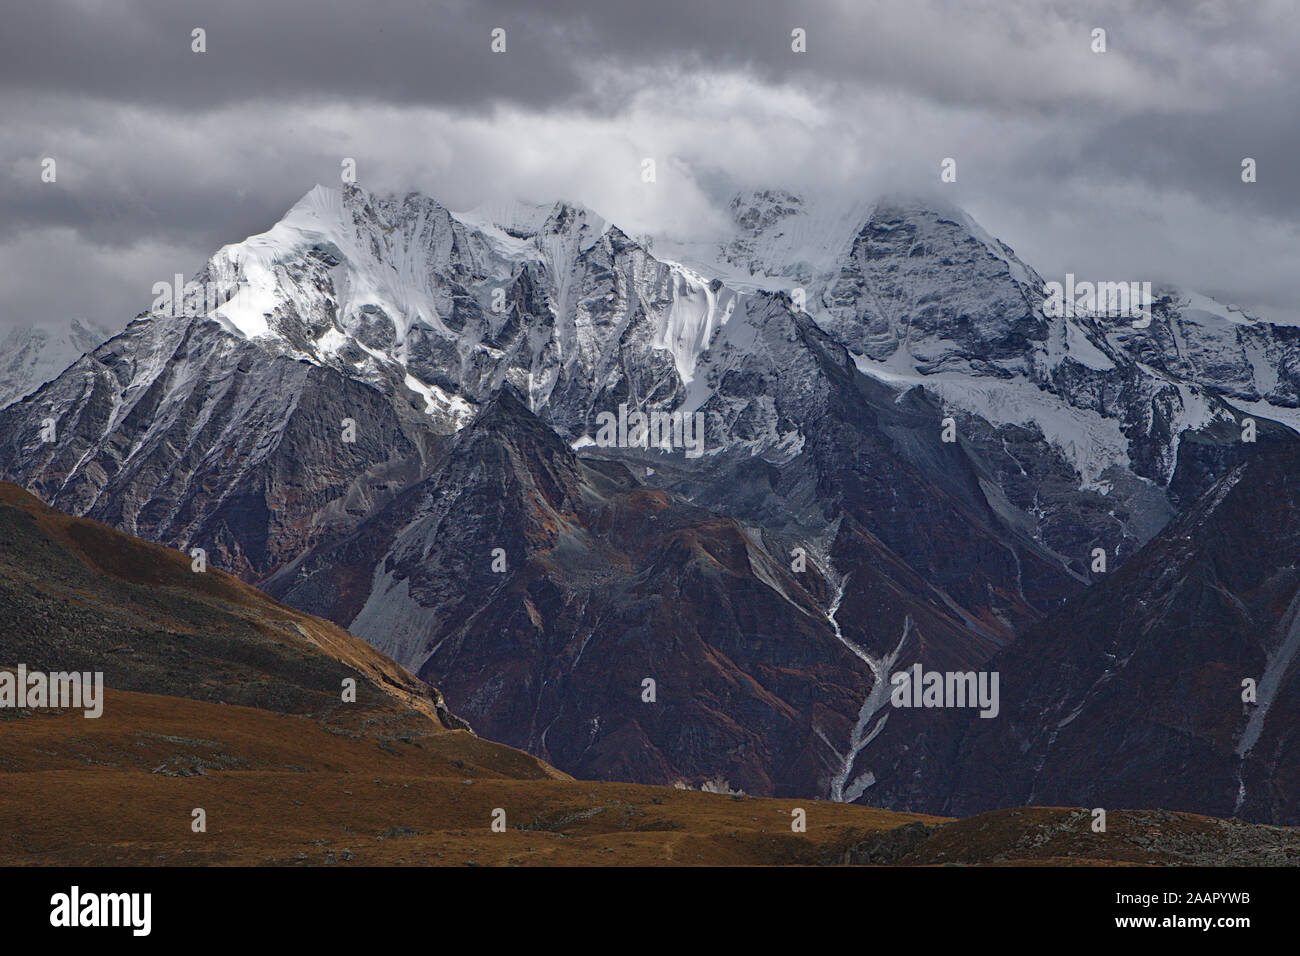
(895, 287)
(1132, 695)
(606, 583)
(610, 581)
(224, 446)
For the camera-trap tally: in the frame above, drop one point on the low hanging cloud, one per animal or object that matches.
(1119, 163)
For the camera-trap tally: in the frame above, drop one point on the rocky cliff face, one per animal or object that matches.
(598, 584)
(1172, 682)
(180, 432)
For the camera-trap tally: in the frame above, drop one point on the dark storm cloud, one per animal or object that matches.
(1076, 157)
(1204, 154)
(409, 51)
(436, 51)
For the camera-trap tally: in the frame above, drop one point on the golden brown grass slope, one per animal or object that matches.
(77, 595)
(282, 789)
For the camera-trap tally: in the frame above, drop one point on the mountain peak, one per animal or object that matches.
(506, 404)
(523, 220)
(506, 415)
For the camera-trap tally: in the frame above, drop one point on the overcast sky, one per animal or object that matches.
(1119, 165)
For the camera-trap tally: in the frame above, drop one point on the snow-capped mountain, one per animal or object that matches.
(921, 295)
(905, 457)
(32, 355)
(406, 318)
(557, 302)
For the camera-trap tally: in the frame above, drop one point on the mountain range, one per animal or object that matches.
(390, 415)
